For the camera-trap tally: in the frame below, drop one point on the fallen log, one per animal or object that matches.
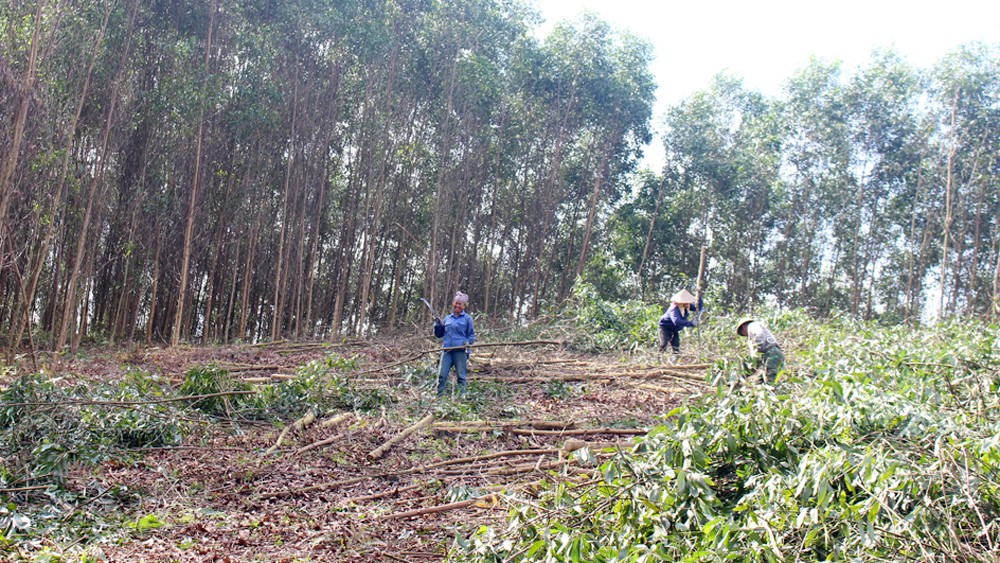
(677, 367)
(534, 432)
(440, 508)
(668, 390)
(318, 487)
(255, 380)
(299, 424)
(649, 374)
(541, 378)
(572, 445)
(128, 403)
(409, 471)
(517, 365)
(383, 494)
(326, 441)
(539, 424)
(592, 377)
(335, 420)
(269, 344)
(581, 432)
(528, 468)
(468, 470)
(380, 451)
(473, 459)
(240, 368)
(25, 489)
(321, 443)
(268, 379)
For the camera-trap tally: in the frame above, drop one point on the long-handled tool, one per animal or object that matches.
(431, 309)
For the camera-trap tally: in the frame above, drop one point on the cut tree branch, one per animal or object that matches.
(298, 425)
(380, 451)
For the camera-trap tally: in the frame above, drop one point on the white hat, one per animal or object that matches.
(683, 296)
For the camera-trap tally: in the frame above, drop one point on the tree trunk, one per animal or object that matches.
(443, 166)
(278, 300)
(70, 304)
(649, 232)
(123, 297)
(595, 198)
(947, 210)
(376, 200)
(155, 288)
(175, 334)
(227, 321)
(26, 86)
(911, 241)
(248, 278)
(857, 278)
(996, 281)
(56, 207)
(702, 263)
(974, 261)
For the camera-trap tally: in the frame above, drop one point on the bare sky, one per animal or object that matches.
(765, 41)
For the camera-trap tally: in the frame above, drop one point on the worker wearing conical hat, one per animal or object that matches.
(764, 348)
(675, 320)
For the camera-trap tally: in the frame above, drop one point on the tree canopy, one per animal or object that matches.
(220, 169)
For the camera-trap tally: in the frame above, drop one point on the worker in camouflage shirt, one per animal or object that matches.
(764, 348)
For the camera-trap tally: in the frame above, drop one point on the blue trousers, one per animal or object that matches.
(456, 358)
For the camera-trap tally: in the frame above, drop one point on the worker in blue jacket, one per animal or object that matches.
(458, 332)
(675, 320)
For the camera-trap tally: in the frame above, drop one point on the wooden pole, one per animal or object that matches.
(701, 272)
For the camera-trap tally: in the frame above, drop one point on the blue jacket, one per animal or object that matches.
(675, 319)
(456, 331)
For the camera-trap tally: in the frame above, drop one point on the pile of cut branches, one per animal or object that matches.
(880, 443)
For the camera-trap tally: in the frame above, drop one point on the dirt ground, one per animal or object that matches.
(222, 498)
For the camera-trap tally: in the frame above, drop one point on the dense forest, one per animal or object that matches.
(218, 170)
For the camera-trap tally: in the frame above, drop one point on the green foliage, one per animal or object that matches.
(146, 523)
(558, 389)
(607, 325)
(211, 380)
(45, 428)
(365, 399)
(480, 398)
(881, 444)
(318, 385)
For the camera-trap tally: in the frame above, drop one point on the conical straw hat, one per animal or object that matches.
(683, 296)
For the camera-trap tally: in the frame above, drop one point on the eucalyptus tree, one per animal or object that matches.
(882, 121)
(966, 104)
(722, 144)
(598, 91)
(24, 88)
(651, 236)
(815, 148)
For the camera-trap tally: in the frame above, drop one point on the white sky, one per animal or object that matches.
(765, 41)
